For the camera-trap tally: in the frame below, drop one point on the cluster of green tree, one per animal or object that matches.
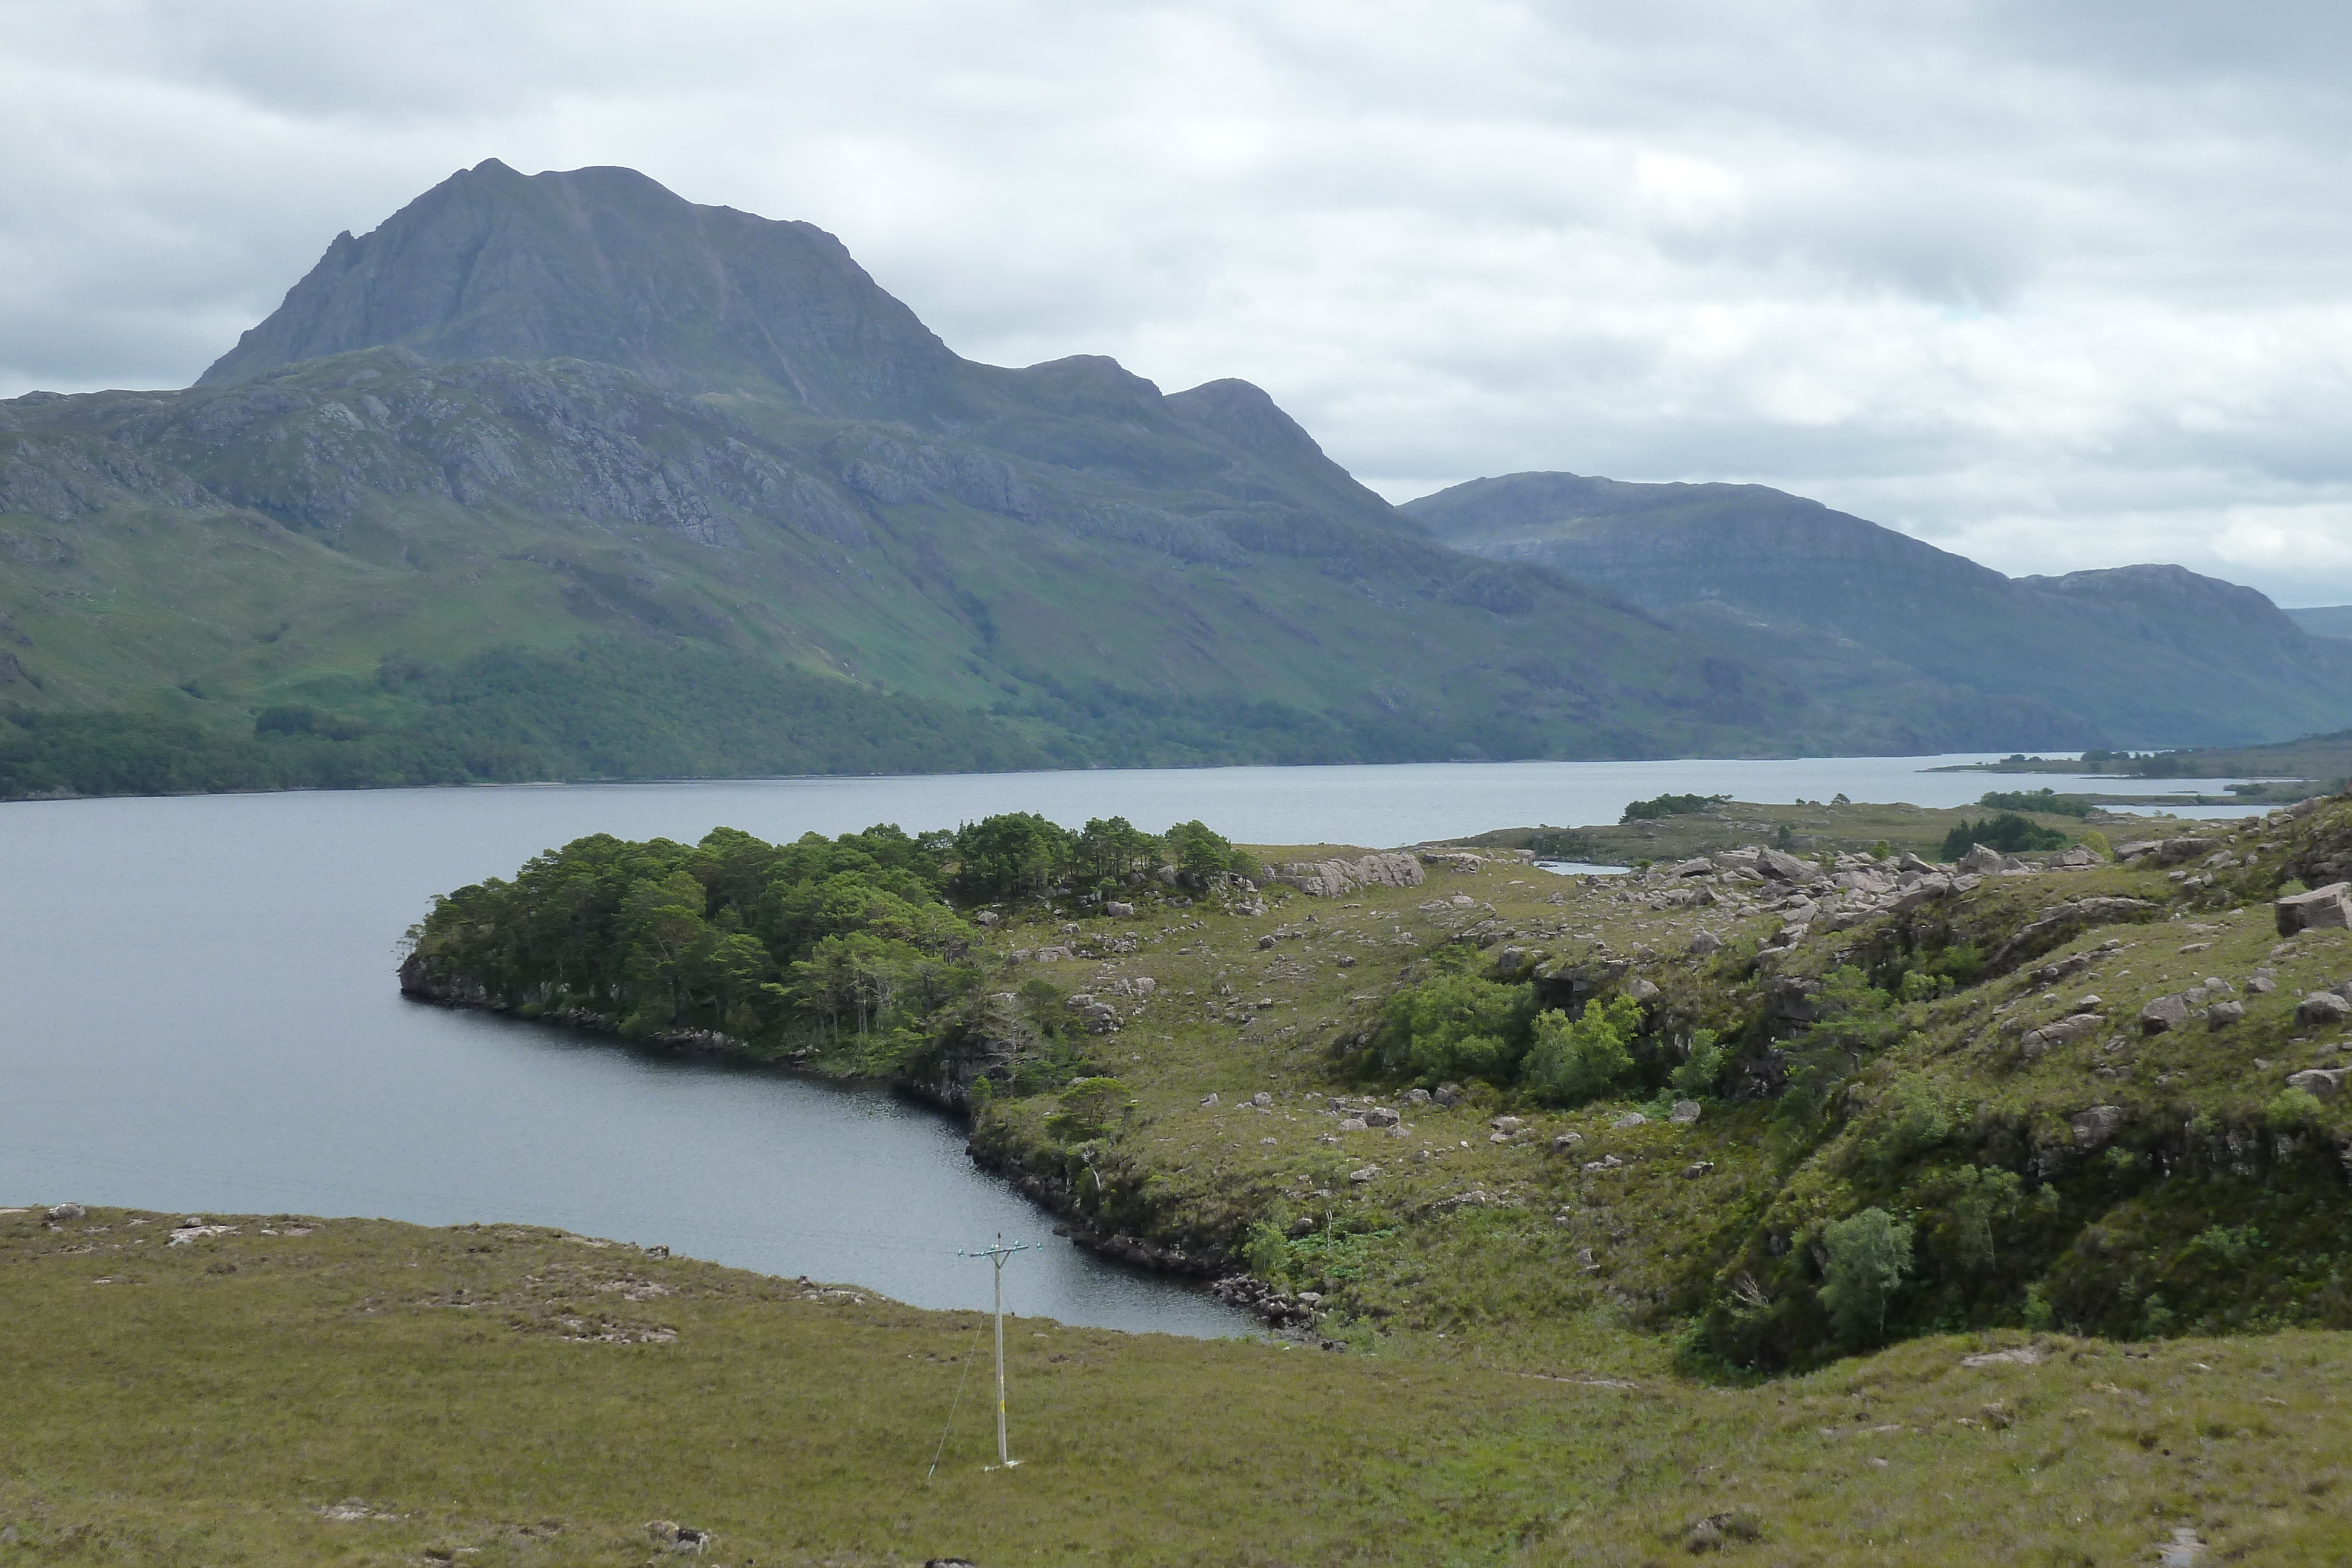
(1457, 1026)
(1021, 854)
(851, 947)
(611, 708)
(1872, 1262)
(2008, 832)
(2043, 799)
(1669, 806)
(63, 754)
(777, 945)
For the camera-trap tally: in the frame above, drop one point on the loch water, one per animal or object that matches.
(198, 1013)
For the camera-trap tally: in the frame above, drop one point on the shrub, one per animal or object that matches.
(1698, 1072)
(1669, 806)
(1090, 1108)
(2231, 1246)
(1912, 1117)
(1575, 1059)
(2043, 799)
(2038, 1314)
(2008, 832)
(1459, 1026)
(1268, 1253)
(2293, 1110)
(1869, 1255)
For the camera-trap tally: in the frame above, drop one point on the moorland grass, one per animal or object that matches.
(489, 1394)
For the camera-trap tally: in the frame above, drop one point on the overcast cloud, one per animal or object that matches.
(2053, 284)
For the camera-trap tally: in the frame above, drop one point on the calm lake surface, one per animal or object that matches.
(198, 1012)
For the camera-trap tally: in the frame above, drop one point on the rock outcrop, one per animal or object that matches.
(1334, 878)
(2322, 907)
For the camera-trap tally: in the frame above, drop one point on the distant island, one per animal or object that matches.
(2288, 771)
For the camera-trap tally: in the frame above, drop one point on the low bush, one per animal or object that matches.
(1669, 806)
(1869, 1257)
(1575, 1059)
(2008, 832)
(2043, 799)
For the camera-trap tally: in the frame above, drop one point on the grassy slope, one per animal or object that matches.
(123, 604)
(214, 1402)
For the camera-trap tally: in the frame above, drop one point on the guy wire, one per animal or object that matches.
(977, 1320)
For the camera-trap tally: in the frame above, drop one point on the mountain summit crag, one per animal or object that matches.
(606, 264)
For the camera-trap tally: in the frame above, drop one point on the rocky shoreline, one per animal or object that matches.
(420, 982)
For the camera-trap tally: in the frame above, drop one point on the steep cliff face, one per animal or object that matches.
(2141, 654)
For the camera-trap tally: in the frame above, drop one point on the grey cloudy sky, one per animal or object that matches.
(2053, 284)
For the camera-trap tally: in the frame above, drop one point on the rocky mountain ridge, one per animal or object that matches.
(2142, 655)
(532, 410)
(527, 409)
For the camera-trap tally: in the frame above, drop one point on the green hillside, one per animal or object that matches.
(528, 413)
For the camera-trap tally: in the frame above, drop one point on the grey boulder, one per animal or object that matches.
(2322, 907)
(2322, 1009)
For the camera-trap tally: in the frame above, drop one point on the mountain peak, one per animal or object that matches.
(607, 263)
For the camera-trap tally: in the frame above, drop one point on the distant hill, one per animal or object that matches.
(2324, 620)
(2141, 654)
